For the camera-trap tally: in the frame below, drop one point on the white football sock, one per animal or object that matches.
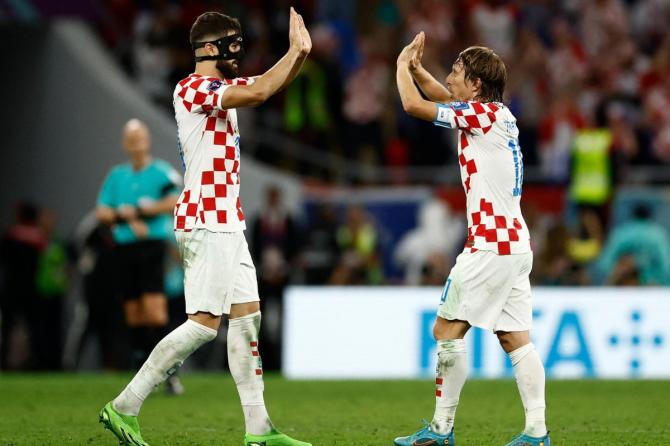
(245, 365)
(168, 355)
(529, 374)
(452, 370)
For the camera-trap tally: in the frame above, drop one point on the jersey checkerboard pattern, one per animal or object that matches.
(492, 174)
(209, 143)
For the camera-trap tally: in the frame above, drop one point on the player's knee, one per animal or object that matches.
(505, 341)
(208, 320)
(207, 334)
(511, 341)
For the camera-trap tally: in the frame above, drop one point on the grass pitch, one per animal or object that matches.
(63, 410)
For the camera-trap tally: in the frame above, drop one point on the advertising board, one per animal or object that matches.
(386, 332)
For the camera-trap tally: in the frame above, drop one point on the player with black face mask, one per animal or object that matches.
(231, 53)
(219, 275)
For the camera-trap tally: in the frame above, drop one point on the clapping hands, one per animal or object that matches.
(412, 53)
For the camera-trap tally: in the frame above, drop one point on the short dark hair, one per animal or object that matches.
(212, 24)
(481, 62)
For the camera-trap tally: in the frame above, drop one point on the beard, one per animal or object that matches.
(228, 68)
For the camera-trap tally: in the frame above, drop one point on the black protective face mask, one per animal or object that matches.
(223, 44)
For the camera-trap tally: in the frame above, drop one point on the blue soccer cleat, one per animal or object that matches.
(526, 440)
(426, 437)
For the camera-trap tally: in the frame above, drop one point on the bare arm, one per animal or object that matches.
(105, 215)
(163, 206)
(431, 87)
(277, 77)
(412, 102)
(306, 47)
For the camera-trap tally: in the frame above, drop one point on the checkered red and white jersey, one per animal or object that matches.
(209, 144)
(492, 175)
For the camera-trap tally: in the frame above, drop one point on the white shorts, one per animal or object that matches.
(489, 291)
(218, 271)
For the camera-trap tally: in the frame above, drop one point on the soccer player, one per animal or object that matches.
(220, 277)
(489, 286)
(137, 199)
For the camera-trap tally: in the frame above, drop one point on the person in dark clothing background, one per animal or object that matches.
(20, 250)
(275, 243)
(96, 264)
(52, 282)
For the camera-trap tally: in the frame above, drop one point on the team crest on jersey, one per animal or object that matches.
(459, 105)
(214, 85)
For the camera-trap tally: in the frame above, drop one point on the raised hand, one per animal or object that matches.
(294, 34)
(306, 39)
(409, 51)
(415, 61)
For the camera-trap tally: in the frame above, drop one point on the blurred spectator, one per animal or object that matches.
(275, 242)
(656, 97)
(320, 248)
(311, 104)
(567, 64)
(20, 250)
(580, 54)
(603, 22)
(155, 35)
(359, 262)
(137, 199)
(538, 223)
(94, 244)
(586, 240)
(494, 23)
(557, 130)
(625, 145)
(553, 265)
(637, 251)
(52, 283)
(591, 181)
(436, 236)
(365, 101)
(435, 270)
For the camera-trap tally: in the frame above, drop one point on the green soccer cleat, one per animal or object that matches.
(124, 427)
(526, 440)
(274, 438)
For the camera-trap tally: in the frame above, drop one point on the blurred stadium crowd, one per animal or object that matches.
(588, 80)
(572, 65)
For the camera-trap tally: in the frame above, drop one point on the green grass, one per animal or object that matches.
(62, 410)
